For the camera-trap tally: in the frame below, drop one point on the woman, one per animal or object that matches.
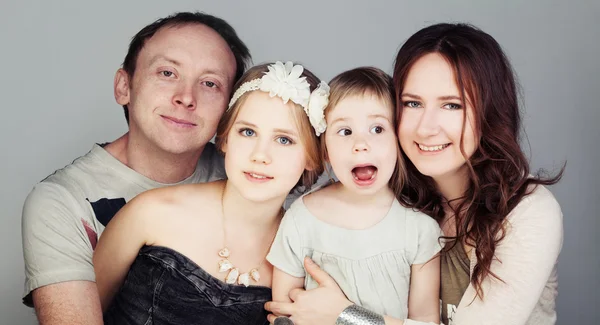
(188, 254)
(459, 127)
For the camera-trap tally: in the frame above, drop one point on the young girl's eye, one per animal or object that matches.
(412, 104)
(344, 132)
(376, 129)
(247, 132)
(285, 141)
(452, 106)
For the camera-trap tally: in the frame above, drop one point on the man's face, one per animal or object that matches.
(180, 89)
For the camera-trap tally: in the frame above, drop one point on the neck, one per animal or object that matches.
(453, 185)
(381, 197)
(150, 161)
(256, 217)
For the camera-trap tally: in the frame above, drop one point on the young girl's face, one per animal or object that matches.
(361, 143)
(264, 154)
(432, 119)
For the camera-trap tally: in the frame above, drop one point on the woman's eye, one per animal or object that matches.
(412, 104)
(376, 129)
(284, 141)
(247, 132)
(452, 106)
(167, 73)
(344, 132)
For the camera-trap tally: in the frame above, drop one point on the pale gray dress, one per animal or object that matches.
(372, 266)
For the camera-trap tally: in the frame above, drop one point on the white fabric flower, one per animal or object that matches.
(284, 81)
(316, 106)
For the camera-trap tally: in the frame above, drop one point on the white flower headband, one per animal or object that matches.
(284, 81)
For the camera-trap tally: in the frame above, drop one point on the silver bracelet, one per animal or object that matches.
(357, 315)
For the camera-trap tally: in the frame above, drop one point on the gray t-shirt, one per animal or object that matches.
(65, 214)
(372, 266)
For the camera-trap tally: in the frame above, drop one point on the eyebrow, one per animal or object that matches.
(216, 72)
(379, 116)
(164, 58)
(284, 131)
(449, 97)
(343, 119)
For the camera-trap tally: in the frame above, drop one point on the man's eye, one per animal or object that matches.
(210, 84)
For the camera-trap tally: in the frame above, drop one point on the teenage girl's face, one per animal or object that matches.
(361, 143)
(433, 117)
(264, 154)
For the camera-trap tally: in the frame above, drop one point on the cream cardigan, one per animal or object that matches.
(526, 261)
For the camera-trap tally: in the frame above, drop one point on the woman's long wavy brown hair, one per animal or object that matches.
(499, 175)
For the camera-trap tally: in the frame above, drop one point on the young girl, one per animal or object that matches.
(459, 130)
(379, 252)
(195, 254)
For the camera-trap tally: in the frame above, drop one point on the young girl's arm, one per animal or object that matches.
(283, 283)
(119, 245)
(424, 294)
(286, 257)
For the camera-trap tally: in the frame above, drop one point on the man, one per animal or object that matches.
(174, 85)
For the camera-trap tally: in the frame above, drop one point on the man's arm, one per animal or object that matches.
(58, 258)
(72, 302)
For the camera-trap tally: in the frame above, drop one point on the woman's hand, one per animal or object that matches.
(319, 306)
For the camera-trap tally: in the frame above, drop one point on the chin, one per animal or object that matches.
(181, 148)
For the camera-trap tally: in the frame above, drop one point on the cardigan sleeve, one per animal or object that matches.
(524, 261)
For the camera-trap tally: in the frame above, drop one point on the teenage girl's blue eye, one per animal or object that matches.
(344, 132)
(376, 129)
(284, 141)
(247, 132)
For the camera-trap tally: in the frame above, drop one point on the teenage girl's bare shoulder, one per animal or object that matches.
(172, 201)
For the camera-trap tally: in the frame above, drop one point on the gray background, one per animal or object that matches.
(58, 61)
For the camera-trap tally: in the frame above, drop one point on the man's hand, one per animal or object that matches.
(319, 306)
(72, 302)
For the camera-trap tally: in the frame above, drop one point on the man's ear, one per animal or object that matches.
(121, 87)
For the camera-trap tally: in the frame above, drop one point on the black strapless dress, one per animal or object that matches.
(165, 287)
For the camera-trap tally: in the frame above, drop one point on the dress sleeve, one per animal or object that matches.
(524, 261)
(428, 235)
(286, 251)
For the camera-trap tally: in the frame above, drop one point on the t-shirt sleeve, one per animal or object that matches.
(286, 251)
(428, 234)
(56, 245)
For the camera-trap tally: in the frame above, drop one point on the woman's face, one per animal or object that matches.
(433, 117)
